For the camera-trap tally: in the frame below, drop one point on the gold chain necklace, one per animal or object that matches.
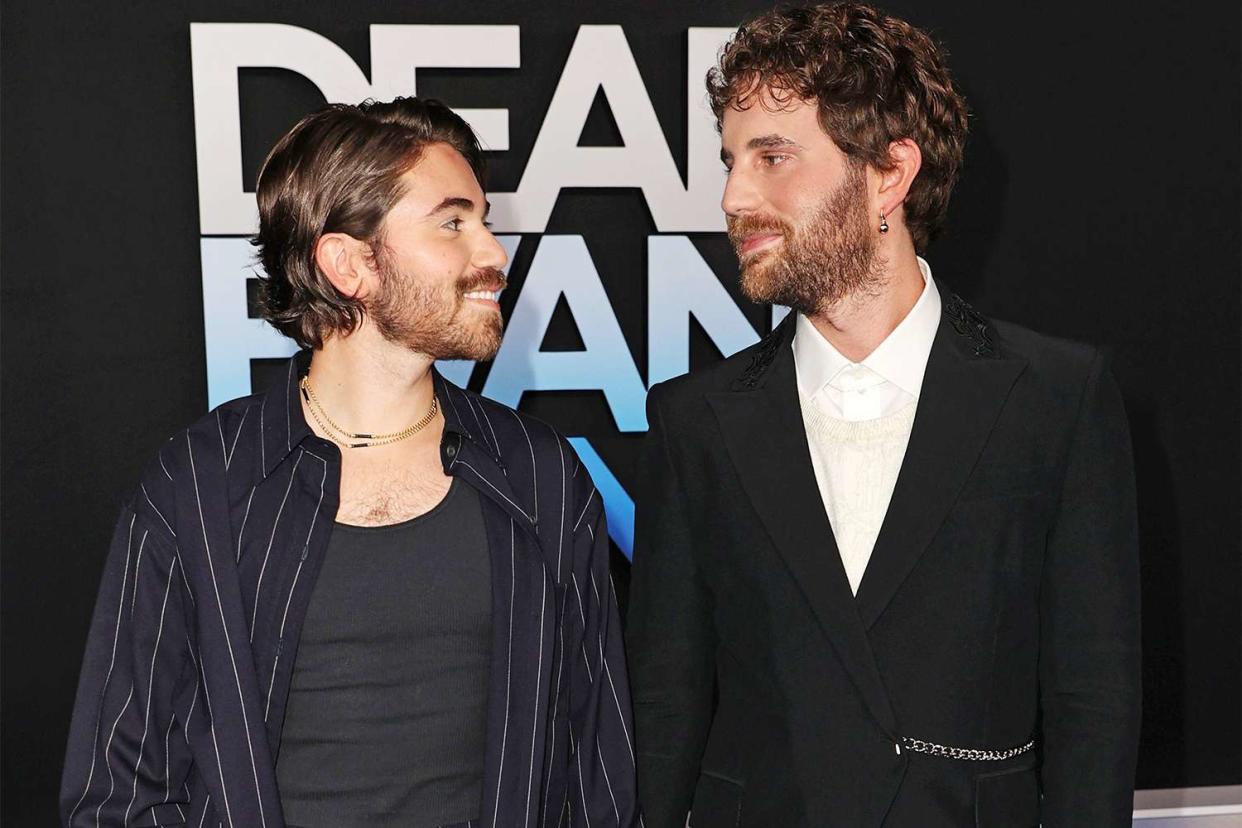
(327, 425)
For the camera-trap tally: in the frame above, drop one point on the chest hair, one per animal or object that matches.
(381, 490)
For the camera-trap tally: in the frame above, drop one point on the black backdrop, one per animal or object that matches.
(1100, 201)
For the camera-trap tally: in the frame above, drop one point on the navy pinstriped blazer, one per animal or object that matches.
(191, 649)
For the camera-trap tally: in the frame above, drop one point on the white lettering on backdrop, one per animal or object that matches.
(680, 283)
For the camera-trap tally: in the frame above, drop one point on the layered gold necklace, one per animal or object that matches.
(352, 439)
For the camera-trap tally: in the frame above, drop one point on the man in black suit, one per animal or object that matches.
(886, 565)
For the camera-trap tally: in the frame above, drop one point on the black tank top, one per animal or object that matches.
(385, 724)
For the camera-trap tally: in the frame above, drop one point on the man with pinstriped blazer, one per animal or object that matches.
(364, 597)
(885, 567)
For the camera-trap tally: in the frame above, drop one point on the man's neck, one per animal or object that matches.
(367, 384)
(857, 324)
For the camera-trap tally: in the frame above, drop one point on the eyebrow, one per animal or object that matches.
(460, 203)
(769, 141)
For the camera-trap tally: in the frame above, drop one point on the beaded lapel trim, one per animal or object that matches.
(760, 360)
(968, 323)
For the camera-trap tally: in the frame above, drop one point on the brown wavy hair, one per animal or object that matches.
(875, 79)
(339, 171)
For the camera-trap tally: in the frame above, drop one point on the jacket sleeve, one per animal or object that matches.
(670, 636)
(126, 759)
(1090, 680)
(602, 777)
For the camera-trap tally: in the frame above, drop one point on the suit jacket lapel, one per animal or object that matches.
(965, 385)
(761, 421)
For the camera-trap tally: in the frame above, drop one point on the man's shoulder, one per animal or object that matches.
(217, 437)
(220, 430)
(538, 460)
(1057, 374)
(1056, 357)
(507, 432)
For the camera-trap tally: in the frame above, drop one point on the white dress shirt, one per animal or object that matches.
(858, 418)
(887, 380)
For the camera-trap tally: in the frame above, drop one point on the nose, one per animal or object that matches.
(740, 194)
(489, 252)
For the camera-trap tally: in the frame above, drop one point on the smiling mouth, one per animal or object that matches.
(484, 295)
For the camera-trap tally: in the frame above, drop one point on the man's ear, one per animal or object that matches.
(895, 182)
(346, 262)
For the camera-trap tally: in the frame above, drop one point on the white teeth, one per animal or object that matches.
(491, 295)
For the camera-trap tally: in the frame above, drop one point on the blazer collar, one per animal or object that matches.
(469, 448)
(282, 424)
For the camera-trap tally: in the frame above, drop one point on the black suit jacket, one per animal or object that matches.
(1000, 603)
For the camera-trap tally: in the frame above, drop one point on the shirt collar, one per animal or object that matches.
(900, 359)
(282, 423)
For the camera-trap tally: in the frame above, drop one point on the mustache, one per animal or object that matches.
(743, 226)
(488, 278)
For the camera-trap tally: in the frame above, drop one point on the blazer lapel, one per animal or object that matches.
(761, 421)
(964, 388)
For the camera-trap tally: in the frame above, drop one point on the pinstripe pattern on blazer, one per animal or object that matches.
(210, 572)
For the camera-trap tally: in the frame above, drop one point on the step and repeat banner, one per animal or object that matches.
(1099, 202)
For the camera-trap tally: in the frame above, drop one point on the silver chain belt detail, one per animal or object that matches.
(968, 754)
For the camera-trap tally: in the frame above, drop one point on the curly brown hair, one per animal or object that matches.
(875, 79)
(339, 171)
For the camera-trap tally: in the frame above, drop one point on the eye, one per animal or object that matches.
(774, 159)
(452, 224)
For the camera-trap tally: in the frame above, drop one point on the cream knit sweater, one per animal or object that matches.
(856, 465)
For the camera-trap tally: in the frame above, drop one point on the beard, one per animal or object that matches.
(829, 257)
(435, 319)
